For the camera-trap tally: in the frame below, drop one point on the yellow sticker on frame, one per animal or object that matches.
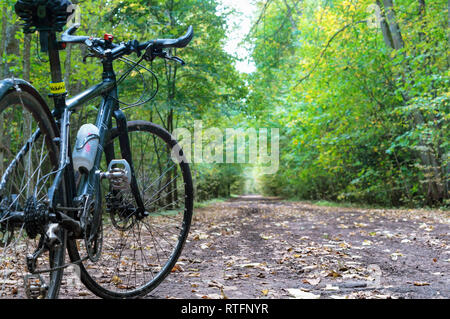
(58, 88)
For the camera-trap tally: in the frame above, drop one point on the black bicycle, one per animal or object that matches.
(119, 201)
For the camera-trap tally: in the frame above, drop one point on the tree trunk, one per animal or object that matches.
(448, 26)
(385, 27)
(2, 53)
(394, 28)
(27, 117)
(429, 162)
(3, 38)
(290, 16)
(10, 44)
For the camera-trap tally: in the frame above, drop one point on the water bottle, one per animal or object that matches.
(85, 148)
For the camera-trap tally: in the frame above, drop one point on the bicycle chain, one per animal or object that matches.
(79, 261)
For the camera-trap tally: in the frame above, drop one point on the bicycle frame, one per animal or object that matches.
(109, 107)
(63, 206)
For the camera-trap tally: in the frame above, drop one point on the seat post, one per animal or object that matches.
(57, 86)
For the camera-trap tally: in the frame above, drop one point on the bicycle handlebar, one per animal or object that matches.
(181, 42)
(67, 36)
(100, 46)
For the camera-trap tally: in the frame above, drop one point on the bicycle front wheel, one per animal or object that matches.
(138, 253)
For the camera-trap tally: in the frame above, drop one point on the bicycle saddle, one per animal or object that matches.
(44, 15)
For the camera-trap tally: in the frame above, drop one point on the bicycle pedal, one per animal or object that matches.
(35, 287)
(118, 174)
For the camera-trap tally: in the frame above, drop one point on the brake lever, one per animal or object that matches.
(176, 59)
(150, 54)
(89, 55)
(133, 46)
(169, 57)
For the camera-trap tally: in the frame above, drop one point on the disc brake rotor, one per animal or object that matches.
(93, 229)
(122, 214)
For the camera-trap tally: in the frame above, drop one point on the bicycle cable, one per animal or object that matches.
(135, 66)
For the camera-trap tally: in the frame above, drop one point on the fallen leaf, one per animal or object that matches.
(312, 281)
(214, 283)
(266, 237)
(367, 243)
(331, 288)
(205, 245)
(426, 227)
(222, 293)
(83, 293)
(334, 274)
(299, 294)
(251, 265)
(194, 274)
(176, 268)
(265, 292)
(309, 268)
(394, 256)
(417, 283)
(116, 280)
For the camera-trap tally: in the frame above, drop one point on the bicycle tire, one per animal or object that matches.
(14, 105)
(119, 284)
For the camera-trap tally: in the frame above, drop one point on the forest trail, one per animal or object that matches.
(257, 247)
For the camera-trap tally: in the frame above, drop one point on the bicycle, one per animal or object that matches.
(125, 247)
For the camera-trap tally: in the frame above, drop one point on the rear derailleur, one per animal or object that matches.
(37, 222)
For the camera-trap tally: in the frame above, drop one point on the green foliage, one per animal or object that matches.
(218, 180)
(360, 121)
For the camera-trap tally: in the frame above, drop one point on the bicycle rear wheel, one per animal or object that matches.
(139, 253)
(28, 156)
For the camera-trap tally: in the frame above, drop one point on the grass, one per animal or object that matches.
(326, 203)
(209, 202)
(320, 202)
(343, 204)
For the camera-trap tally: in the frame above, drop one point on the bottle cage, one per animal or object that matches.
(44, 15)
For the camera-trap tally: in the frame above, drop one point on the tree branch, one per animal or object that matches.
(325, 49)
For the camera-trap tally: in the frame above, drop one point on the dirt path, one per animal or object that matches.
(254, 247)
